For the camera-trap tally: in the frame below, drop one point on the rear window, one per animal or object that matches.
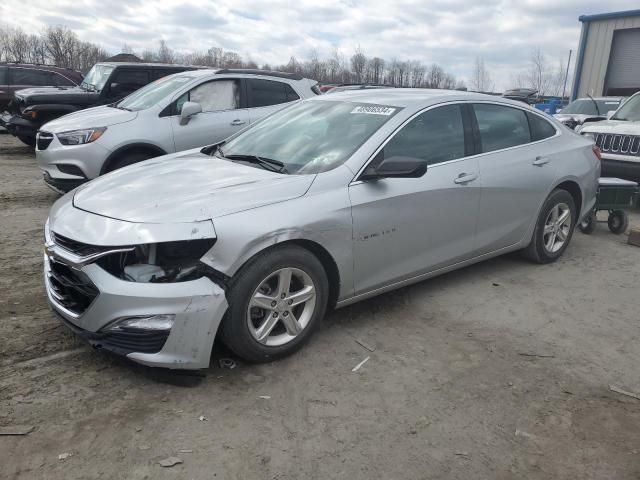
(501, 127)
(263, 93)
(540, 128)
(31, 77)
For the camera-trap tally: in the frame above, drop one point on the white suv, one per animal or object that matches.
(619, 140)
(177, 112)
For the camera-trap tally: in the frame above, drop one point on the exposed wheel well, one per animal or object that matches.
(574, 190)
(327, 261)
(127, 150)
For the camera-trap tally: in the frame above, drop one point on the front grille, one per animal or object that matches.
(131, 340)
(44, 140)
(618, 144)
(79, 248)
(70, 289)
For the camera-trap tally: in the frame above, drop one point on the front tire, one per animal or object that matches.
(31, 141)
(275, 303)
(554, 228)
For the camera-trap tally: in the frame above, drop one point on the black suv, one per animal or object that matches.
(105, 83)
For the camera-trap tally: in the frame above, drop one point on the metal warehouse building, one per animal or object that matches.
(608, 60)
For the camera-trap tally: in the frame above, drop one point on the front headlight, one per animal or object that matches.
(79, 137)
(591, 135)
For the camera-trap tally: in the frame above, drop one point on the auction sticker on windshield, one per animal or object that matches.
(374, 110)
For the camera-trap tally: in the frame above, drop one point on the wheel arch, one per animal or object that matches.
(574, 190)
(321, 253)
(136, 147)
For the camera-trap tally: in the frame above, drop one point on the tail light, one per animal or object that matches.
(597, 152)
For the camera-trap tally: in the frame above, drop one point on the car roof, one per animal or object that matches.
(411, 97)
(149, 65)
(40, 66)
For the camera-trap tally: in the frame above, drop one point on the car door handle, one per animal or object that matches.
(465, 178)
(237, 121)
(539, 161)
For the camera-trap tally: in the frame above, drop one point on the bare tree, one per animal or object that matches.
(540, 76)
(480, 78)
(435, 77)
(358, 63)
(165, 54)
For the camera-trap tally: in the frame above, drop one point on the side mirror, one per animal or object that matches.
(558, 110)
(610, 114)
(189, 109)
(396, 167)
(115, 88)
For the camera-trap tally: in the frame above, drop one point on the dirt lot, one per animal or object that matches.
(498, 371)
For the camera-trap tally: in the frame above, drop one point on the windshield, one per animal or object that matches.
(586, 106)
(97, 77)
(311, 137)
(151, 94)
(630, 111)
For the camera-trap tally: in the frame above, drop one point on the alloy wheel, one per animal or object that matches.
(281, 307)
(557, 227)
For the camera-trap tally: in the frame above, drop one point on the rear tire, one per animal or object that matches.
(553, 230)
(257, 325)
(31, 141)
(129, 159)
(618, 221)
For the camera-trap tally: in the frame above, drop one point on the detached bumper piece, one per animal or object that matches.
(122, 342)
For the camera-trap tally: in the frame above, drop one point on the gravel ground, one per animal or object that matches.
(498, 371)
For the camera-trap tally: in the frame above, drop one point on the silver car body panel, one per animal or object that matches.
(379, 235)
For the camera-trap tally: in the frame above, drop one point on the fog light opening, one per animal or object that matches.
(149, 322)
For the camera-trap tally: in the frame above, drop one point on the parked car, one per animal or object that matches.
(182, 111)
(327, 202)
(619, 140)
(524, 95)
(587, 110)
(105, 83)
(17, 76)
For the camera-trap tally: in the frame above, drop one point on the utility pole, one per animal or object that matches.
(566, 76)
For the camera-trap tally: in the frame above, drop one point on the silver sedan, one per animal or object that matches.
(328, 202)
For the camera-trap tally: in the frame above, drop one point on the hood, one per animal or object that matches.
(578, 117)
(186, 187)
(613, 126)
(88, 118)
(55, 95)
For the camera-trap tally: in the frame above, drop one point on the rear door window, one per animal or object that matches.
(435, 136)
(31, 77)
(540, 128)
(4, 80)
(263, 93)
(131, 79)
(213, 96)
(501, 126)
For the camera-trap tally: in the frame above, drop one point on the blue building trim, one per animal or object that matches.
(608, 16)
(581, 49)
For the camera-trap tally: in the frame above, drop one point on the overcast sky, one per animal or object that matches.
(449, 32)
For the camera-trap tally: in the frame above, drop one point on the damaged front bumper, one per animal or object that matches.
(90, 301)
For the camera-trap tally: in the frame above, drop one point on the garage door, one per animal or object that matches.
(623, 73)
